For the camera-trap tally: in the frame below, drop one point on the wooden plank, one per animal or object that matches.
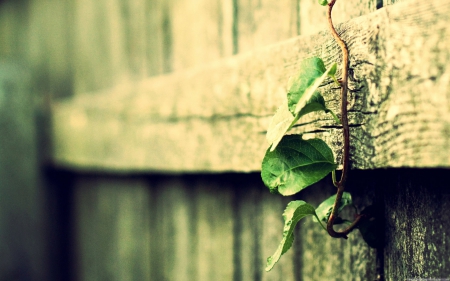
(312, 14)
(157, 37)
(48, 44)
(248, 228)
(214, 231)
(214, 117)
(12, 29)
(201, 31)
(194, 229)
(112, 224)
(261, 23)
(390, 2)
(25, 253)
(417, 223)
(100, 38)
(211, 226)
(175, 250)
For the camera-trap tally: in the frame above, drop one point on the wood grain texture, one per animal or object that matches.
(417, 224)
(214, 117)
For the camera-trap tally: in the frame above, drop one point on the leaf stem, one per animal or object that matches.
(345, 131)
(334, 116)
(321, 224)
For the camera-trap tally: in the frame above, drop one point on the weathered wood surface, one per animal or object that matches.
(313, 17)
(112, 230)
(24, 252)
(214, 117)
(417, 223)
(205, 227)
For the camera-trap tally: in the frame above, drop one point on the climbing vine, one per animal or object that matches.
(292, 163)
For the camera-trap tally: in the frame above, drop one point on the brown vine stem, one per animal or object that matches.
(346, 134)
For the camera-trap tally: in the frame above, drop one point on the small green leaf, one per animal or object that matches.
(294, 212)
(325, 208)
(296, 164)
(333, 69)
(323, 2)
(312, 73)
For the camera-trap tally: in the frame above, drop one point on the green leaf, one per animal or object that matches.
(294, 212)
(325, 208)
(316, 103)
(281, 122)
(312, 73)
(302, 99)
(332, 71)
(323, 2)
(296, 164)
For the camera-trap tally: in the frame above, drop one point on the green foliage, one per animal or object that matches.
(292, 163)
(281, 122)
(303, 98)
(325, 208)
(294, 212)
(315, 103)
(312, 73)
(296, 164)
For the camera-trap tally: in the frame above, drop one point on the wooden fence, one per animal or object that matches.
(132, 133)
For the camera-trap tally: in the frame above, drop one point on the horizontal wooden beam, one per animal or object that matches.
(214, 117)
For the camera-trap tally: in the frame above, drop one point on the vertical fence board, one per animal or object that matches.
(113, 229)
(313, 16)
(158, 51)
(48, 46)
(100, 40)
(174, 227)
(12, 29)
(23, 248)
(214, 231)
(248, 265)
(260, 23)
(417, 224)
(201, 31)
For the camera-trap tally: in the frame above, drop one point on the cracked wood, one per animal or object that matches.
(214, 117)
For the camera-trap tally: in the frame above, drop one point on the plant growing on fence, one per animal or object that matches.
(292, 163)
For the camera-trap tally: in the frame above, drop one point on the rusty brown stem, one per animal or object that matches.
(345, 131)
